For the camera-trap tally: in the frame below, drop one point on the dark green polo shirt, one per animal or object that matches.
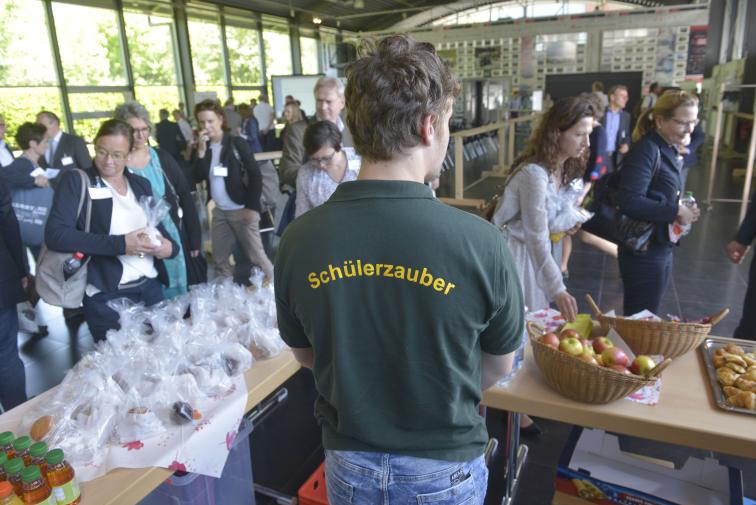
(397, 294)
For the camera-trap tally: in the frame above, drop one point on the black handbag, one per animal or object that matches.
(611, 224)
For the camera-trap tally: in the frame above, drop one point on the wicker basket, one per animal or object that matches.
(583, 381)
(667, 338)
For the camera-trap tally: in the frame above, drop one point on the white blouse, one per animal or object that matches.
(315, 186)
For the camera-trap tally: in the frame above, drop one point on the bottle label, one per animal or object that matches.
(67, 493)
(49, 501)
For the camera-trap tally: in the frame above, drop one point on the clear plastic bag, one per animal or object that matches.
(563, 210)
(156, 209)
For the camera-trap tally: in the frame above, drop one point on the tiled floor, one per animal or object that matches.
(704, 281)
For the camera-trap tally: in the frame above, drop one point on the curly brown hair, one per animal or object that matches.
(543, 145)
(389, 91)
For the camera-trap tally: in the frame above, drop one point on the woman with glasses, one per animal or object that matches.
(650, 184)
(235, 186)
(122, 260)
(168, 183)
(328, 166)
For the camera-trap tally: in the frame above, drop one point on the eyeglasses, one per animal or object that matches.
(685, 124)
(325, 160)
(142, 131)
(116, 156)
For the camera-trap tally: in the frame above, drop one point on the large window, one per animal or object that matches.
(207, 56)
(28, 81)
(308, 48)
(277, 51)
(244, 55)
(152, 51)
(93, 63)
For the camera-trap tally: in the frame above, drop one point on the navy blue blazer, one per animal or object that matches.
(242, 192)
(648, 198)
(13, 265)
(17, 174)
(65, 233)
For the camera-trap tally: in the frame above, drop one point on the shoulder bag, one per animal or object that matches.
(52, 284)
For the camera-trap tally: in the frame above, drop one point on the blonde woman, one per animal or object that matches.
(649, 190)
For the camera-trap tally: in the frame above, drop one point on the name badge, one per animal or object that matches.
(220, 171)
(66, 160)
(100, 193)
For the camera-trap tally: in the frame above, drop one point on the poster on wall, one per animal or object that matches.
(487, 58)
(696, 52)
(665, 56)
(449, 56)
(527, 58)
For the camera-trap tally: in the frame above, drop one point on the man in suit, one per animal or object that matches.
(329, 102)
(6, 156)
(616, 121)
(737, 249)
(169, 137)
(14, 277)
(64, 151)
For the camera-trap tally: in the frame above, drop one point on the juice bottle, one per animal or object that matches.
(6, 444)
(21, 445)
(35, 490)
(3, 460)
(13, 468)
(38, 451)
(7, 496)
(62, 479)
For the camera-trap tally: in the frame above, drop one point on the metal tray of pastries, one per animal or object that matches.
(732, 373)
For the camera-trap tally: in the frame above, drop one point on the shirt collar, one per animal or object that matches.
(365, 189)
(339, 124)
(57, 136)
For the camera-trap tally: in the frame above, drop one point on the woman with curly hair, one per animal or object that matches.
(555, 155)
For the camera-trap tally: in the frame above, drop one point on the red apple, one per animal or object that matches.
(587, 346)
(571, 346)
(550, 339)
(642, 365)
(569, 333)
(601, 343)
(621, 369)
(614, 356)
(588, 358)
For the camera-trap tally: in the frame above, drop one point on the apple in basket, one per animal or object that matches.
(550, 339)
(614, 356)
(571, 346)
(568, 333)
(587, 346)
(621, 369)
(642, 365)
(588, 358)
(601, 343)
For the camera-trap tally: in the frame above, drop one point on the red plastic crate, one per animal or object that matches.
(313, 492)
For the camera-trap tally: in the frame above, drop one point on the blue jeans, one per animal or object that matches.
(12, 374)
(100, 318)
(374, 478)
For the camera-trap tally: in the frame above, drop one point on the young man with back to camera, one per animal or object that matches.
(405, 308)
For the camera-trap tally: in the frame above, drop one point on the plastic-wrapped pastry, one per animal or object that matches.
(726, 376)
(743, 399)
(139, 423)
(236, 358)
(745, 384)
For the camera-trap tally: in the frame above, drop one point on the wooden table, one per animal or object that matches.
(126, 486)
(685, 415)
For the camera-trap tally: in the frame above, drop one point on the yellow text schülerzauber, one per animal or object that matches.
(351, 269)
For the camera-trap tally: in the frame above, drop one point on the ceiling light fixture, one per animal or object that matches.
(359, 4)
(317, 20)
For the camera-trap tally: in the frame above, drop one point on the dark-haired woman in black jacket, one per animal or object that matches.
(235, 185)
(649, 190)
(122, 260)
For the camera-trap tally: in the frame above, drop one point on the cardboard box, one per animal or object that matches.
(593, 467)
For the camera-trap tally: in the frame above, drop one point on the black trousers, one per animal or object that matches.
(101, 318)
(747, 327)
(645, 277)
